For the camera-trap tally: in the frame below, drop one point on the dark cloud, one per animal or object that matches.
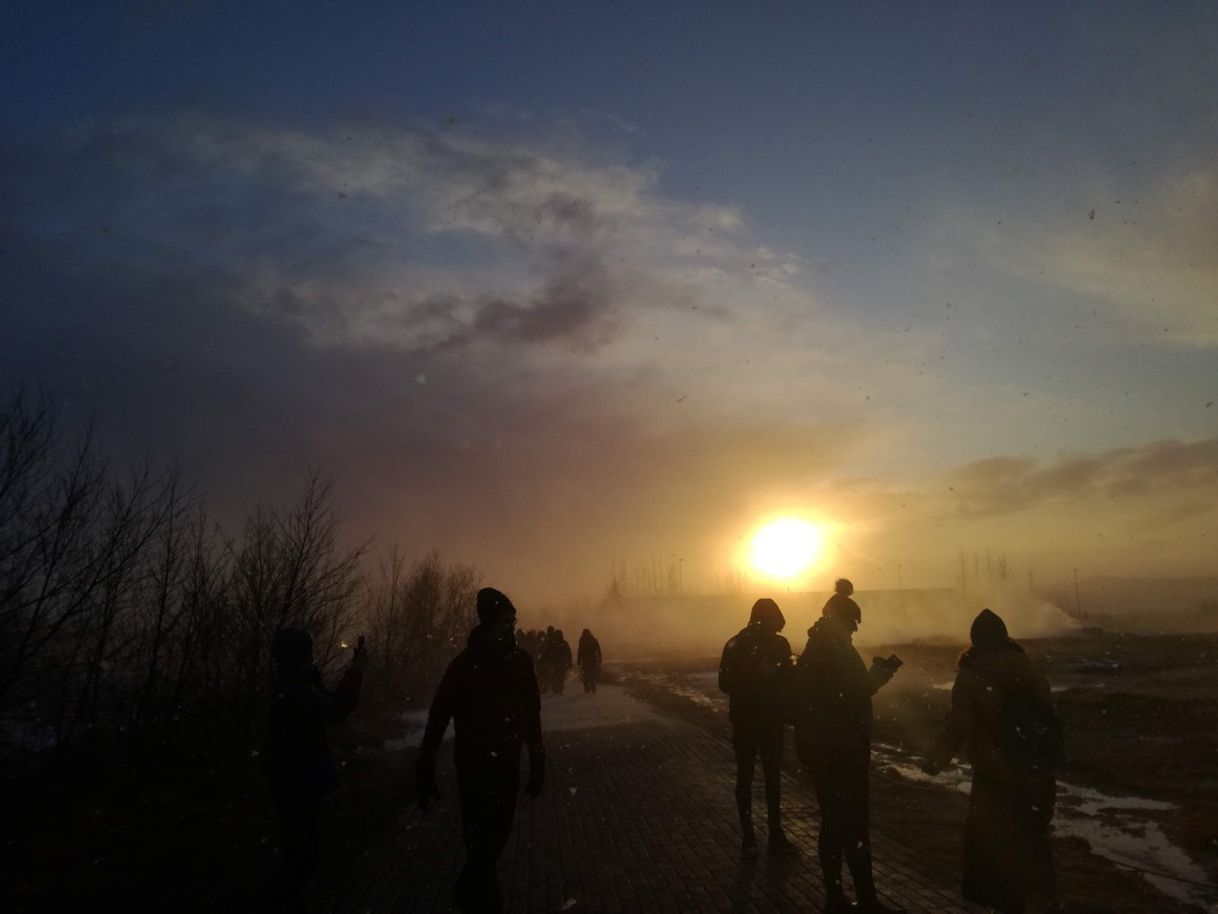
(208, 298)
(1172, 467)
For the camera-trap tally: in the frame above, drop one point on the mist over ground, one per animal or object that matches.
(698, 625)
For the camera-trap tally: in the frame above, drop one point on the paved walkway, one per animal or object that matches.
(637, 815)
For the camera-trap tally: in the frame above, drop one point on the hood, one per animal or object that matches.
(766, 610)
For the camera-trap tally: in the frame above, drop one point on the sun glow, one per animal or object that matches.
(787, 547)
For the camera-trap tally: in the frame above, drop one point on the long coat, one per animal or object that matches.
(1007, 854)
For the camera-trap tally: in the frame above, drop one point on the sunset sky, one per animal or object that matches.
(549, 284)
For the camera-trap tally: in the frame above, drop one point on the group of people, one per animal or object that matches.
(1001, 712)
(552, 658)
(491, 691)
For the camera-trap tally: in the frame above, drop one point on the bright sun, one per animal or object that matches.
(786, 548)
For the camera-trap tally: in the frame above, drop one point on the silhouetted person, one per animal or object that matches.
(588, 657)
(557, 659)
(833, 716)
(1003, 712)
(545, 672)
(490, 692)
(755, 671)
(299, 767)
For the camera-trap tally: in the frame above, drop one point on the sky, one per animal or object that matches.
(550, 286)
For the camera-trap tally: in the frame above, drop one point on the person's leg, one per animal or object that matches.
(856, 834)
(297, 812)
(822, 768)
(771, 769)
(745, 743)
(480, 832)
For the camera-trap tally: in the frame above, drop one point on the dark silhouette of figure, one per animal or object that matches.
(557, 660)
(1002, 711)
(755, 672)
(545, 673)
(833, 717)
(589, 658)
(299, 767)
(490, 692)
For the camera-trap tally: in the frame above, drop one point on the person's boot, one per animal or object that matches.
(779, 845)
(858, 859)
(838, 904)
(748, 837)
(876, 907)
(748, 842)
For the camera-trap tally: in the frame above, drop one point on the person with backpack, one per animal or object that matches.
(755, 672)
(1002, 712)
(831, 704)
(589, 660)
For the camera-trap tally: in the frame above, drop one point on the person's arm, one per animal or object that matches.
(443, 706)
(881, 671)
(726, 683)
(785, 681)
(345, 695)
(955, 728)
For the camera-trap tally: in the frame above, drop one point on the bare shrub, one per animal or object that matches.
(417, 618)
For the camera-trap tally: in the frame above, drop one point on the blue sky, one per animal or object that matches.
(651, 274)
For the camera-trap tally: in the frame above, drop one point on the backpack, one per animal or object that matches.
(1030, 734)
(744, 659)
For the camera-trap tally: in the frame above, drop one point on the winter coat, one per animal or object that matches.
(557, 655)
(755, 672)
(983, 679)
(831, 700)
(589, 652)
(297, 749)
(490, 693)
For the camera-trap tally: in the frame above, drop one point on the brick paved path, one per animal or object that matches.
(638, 814)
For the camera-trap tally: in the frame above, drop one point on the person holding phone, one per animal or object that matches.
(299, 766)
(831, 708)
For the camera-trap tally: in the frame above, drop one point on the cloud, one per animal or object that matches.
(1171, 468)
(1144, 254)
(532, 361)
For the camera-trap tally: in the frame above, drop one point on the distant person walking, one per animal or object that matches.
(557, 659)
(755, 672)
(833, 718)
(545, 674)
(589, 660)
(1002, 712)
(490, 692)
(299, 767)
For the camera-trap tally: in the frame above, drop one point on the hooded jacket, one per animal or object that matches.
(490, 693)
(755, 672)
(833, 687)
(985, 676)
(589, 651)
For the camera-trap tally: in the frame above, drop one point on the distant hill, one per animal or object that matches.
(1142, 604)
